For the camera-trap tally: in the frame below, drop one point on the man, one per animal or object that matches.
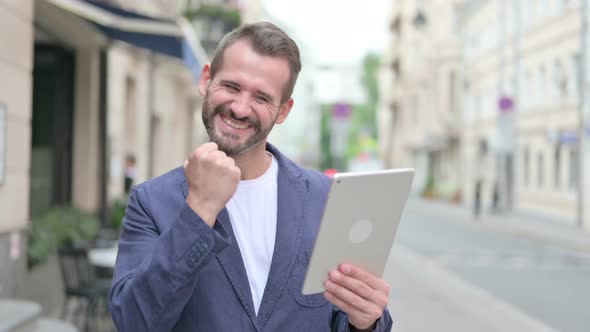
(129, 173)
(223, 243)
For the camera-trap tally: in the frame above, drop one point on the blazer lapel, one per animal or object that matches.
(233, 265)
(231, 261)
(290, 215)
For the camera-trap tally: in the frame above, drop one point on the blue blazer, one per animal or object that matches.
(175, 273)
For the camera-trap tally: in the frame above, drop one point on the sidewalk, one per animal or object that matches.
(426, 297)
(44, 286)
(540, 228)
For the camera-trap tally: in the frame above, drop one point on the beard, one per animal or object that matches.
(230, 143)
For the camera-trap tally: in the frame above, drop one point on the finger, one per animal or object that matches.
(365, 276)
(205, 154)
(346, 295)
(355, 286)
(205, 148)
(229, 162)
(238, 171)
(359, 288)
(185, 163)
(347, 308)
(217, 156)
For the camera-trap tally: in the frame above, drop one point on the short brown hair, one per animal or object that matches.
(268, 40)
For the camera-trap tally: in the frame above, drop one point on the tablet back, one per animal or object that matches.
(359, 223)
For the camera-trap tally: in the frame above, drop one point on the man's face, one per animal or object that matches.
(243, 101)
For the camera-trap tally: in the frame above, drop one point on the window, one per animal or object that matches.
(131, 101)
(533, 89)
(489, 104)
(395, 116)
(526, 164)
(573, 169)
(574, 77)
(415, 109)
(452, 91)
(540, 170)
(560, 5)
(557, 167)
(532, 17)
(558, 84)
(509, 25)
(478, 107)
(526, 90)
(542, 85)
(543, 8)
(572, 3)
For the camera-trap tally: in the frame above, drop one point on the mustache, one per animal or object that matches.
(230, 114)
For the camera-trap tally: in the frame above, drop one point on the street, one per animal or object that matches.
(537, 281)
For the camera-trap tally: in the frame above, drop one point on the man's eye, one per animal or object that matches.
(231, 88)
(262, 100)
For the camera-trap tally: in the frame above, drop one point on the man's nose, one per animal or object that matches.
(241, 106)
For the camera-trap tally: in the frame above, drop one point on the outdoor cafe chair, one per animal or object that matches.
(81, 283)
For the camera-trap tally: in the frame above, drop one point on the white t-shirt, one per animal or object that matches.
(253, 214)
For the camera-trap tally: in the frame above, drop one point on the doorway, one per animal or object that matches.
(52, 128)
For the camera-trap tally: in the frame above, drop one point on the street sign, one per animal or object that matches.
(505, 104)
(341, 111)
(339, 126)
(568, 138)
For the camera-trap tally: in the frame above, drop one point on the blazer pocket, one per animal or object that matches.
(299, 270)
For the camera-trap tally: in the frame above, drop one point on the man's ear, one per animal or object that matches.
(204, 79)
(284, 111)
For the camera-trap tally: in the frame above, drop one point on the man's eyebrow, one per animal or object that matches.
(230, 82)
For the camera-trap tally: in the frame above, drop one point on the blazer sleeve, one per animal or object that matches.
(156, 273)
(340, 322)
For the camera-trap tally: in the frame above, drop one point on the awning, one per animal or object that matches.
(163, 36)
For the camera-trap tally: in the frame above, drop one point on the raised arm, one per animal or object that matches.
(156, 270)
(156, 273)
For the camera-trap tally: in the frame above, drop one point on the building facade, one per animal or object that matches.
(521, 97)
(16, 67)
(510, 99)
(419, 107)
(80, 96)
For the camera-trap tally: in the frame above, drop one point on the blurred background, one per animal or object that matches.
(487, 99)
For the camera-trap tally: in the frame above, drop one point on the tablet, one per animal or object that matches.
(359, 223)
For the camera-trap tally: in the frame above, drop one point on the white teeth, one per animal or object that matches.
(233, 124)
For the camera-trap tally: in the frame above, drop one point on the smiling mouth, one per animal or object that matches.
(234, 124)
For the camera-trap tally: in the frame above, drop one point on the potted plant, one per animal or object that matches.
(59, 227)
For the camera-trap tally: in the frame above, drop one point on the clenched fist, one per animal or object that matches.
(212, 179)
